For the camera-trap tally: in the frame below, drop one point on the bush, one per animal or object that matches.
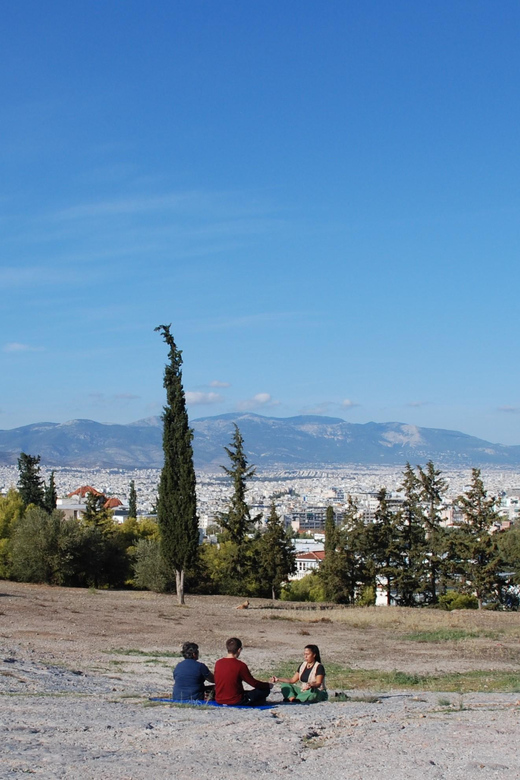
(309, 588)
(367, 597)
(453, 600)
(149, 569)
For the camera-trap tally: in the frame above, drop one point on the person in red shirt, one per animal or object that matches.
(231, 673)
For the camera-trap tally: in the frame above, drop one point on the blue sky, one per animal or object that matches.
(321, 197)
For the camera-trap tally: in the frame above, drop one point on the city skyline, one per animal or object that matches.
(321, 199)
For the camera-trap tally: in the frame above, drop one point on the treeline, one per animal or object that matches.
(39, 544)
(414, 557)
(407, 551)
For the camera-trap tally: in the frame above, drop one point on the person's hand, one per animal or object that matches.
(273, 679)
(305, 687)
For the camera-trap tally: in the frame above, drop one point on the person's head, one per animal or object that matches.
(233, 645)
(190, 650)
(311, 653)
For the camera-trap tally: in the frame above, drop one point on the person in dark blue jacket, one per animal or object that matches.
(190, 675)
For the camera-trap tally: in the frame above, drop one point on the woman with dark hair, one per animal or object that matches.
(310, 675)
(189, 676)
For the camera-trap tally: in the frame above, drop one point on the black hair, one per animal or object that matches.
(316, 650)
(190, 650)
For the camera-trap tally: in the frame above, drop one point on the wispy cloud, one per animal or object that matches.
(197, 398)
(216, 383)
(348, 404)
(509, 409)
(257, 401)
(15, 346)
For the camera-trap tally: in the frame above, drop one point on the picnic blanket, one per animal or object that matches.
(199, 703)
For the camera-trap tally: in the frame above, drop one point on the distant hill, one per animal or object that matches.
(270, 441)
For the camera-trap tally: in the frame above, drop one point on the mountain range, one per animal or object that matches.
(305, 441)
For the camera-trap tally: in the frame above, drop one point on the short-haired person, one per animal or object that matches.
(310, 675)
(189, 676)
(231, 673)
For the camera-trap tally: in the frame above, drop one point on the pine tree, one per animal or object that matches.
(335, 572)
(479, 554)
(177, 503)
(385, 549)
(30, 483)
(432, 491)
(237, 520)
(132, 501)
(276, 553)
(50, 495)
(410, 572)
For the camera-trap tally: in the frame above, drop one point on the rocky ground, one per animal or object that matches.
(77, 669)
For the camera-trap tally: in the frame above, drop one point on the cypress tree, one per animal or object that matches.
(132, 501)
(50, 495)
(30, 483)
(177, 504)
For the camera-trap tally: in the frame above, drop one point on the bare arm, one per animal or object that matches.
(294, 679)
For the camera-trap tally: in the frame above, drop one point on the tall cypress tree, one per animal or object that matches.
(50, 494)
(30, 483)
(132, 501)
(177, 503)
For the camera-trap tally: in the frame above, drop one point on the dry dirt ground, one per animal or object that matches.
(77, 669)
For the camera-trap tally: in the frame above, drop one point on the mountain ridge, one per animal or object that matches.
(303, 440)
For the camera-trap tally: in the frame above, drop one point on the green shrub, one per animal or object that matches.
(453, 600)
(367, 597)
(149, 569)
(309, 588)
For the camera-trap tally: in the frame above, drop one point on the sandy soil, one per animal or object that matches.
(77, 669)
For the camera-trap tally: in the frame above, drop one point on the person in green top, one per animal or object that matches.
(310, 675)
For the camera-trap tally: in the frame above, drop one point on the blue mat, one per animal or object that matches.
(198, 703)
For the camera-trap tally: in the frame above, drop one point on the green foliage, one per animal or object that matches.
(367, 597)
(177, 506)
(410, 563)
(50, 495)
(230, 570)
(309, 588)
(11, 511)
(48, 548)
(432, 490)
(30, 483)
(475, 554)
(275, 555)
(236, 521)
(150, 571)
(454, 600)
(40, 549)
(132, 500)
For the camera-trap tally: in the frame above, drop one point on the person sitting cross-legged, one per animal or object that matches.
(231, 673)
(189, 676)
(311, 675)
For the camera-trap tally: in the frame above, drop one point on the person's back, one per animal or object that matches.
(189, 675)
(231, 673)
